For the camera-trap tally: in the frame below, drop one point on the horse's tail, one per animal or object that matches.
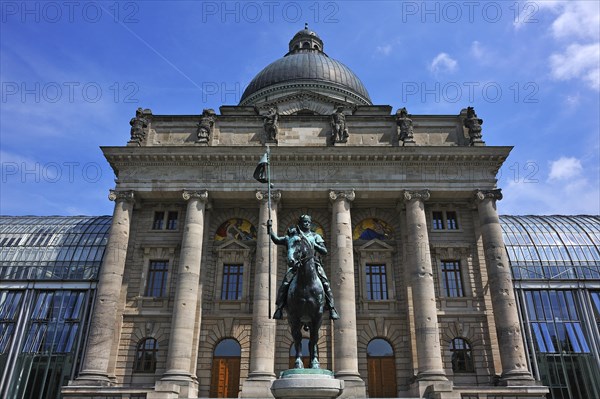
(306, 327)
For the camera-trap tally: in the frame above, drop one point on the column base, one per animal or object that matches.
(187, 383)
(434, 389)
(517, 378)
(432, 375)
(258, 385)
(166, 390)
(90, 378)
(354, 386)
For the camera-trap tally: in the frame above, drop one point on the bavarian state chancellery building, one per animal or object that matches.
(171, 296)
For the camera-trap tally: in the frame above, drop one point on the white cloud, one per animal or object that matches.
(384, 49)
(578, 61)
(443, 63)
(576, 19)
(565, 168)
(477, 50)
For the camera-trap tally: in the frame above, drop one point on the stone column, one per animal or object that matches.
(418, 257)
(506, 317)
(185, 307)
(103, 328)
(343, 279)
(262, 350)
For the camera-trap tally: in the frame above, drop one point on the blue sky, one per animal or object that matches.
(73, 73)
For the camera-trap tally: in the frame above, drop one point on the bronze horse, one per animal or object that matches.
(305, 300)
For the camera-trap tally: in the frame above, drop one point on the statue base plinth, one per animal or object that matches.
(307, 383)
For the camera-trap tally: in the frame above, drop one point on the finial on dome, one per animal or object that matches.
(306, 25)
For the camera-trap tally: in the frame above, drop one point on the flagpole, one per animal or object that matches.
(269, 222)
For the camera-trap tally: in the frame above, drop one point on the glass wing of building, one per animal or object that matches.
(48, 274)
(555, 262)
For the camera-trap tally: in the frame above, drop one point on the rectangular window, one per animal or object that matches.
(159, 218)
(172, 220)
(376, 282)
(232, 282)
(451, 278)
(156, 285)
(437, 220)
(451, 220)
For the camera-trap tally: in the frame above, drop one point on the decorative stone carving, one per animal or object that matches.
(348, 195)
(405, 127)
(138, 125)
(262, 195)
(422, 195)
(496, 194)
(115, 195)
(205, 126)
(271, 125)
(473, 123)
(202, 195)
(339, 131)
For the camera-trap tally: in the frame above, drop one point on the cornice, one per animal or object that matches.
(180, 155)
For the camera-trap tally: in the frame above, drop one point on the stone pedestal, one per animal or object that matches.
(307, 383)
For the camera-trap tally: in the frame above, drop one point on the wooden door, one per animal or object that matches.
(225, 378)
(382, 377)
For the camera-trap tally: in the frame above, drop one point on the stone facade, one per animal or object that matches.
(371, 176)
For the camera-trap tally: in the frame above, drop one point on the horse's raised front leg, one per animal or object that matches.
(297, 336)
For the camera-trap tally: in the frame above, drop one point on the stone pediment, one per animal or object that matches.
(305, 100)
(375, 245)
(233, 245)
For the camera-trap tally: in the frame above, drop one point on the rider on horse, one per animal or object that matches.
(303, 229)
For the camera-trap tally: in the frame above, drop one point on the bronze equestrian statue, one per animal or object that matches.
(303, 228)
(305, 287)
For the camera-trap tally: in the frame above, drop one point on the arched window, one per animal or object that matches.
(225, 378)
(305, 357)
(381, 364)
(306, 45)
(145, 356)
(462, 359)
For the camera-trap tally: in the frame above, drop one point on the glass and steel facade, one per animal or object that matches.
(555, 262)
(48, 274)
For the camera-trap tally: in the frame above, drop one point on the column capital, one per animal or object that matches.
(480, 195)
(202, 195)
(347, 195)
(421, 195)
(118, 196)
(262, 195)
